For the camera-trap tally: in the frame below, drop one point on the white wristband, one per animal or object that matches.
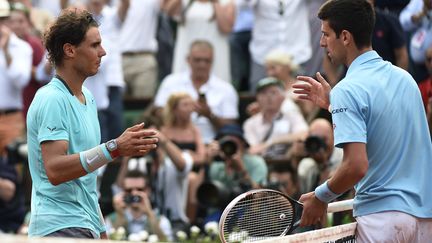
(95, 158)
(329, 108)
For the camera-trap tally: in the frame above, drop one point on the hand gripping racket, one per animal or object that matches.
(262, 214)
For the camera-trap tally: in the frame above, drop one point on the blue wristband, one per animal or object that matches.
(324, 194)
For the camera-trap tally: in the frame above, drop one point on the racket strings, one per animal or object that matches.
(258, 216)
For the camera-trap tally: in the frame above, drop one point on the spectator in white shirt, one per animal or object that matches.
(216, 100)
(139, 47)
(15, 70)
(282, 24)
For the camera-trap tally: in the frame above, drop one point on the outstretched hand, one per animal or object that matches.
(318, 92)
(137, 141)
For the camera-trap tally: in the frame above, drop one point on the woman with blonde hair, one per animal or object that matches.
(179, 128)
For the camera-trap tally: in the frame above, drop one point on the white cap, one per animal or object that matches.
(4, 8)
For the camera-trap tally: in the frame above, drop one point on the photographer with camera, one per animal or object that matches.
(232, 171)
(134, 211)
(320, 158)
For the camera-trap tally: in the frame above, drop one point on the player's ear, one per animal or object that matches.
(68, 50)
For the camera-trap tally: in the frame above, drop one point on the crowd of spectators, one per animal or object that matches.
(192, 64)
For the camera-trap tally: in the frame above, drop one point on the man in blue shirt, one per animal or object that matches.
(380, 122)
(63, 135)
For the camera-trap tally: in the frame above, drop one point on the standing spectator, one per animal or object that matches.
(280, 24)
(415, 19)
(139, 47)
(15, 69)
(388, 39)
(239, 40)
(63, 135)
(426, 88)
(203, 20)
(379, 121)
(20, 24)
(110, 75)
(39, 18)
(134, 211)
(314, 64)
(216, 100)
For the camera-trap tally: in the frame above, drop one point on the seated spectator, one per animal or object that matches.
(12, 210)
(178, 126)
(284, 178)
(203, 20)
(271, 131)
(280, 65)
(232, 169)
(320, 156)
(134, 210)
(168, 169)
(216, 100)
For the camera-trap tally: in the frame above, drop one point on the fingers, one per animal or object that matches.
(136, 127)
(306, 79)
(322, 80)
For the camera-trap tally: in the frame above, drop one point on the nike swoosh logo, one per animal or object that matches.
(89, 161)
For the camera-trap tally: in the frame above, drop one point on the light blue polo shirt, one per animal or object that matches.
(380, 105)
(55, 114)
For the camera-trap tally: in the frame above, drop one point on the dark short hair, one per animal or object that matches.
(70, 27)
(135, 174)
(355, 16)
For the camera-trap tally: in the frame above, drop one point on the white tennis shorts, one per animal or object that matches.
(393, 226)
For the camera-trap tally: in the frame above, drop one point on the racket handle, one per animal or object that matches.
(340, 206)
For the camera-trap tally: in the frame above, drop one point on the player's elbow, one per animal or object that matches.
(53, 177)
(359, 170)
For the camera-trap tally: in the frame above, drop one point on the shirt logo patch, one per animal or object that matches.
(339, 110)
(51, 129)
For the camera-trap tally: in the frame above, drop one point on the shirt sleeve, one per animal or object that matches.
(230, 104)
(348, 117)
(52, 125)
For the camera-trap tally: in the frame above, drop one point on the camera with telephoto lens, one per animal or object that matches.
(129, 199)
(228, 146)
(17, 151)
(314, 144)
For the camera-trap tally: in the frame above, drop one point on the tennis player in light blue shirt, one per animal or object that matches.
(56, 114)
(380, 122)
(63, 135)
(386, 113)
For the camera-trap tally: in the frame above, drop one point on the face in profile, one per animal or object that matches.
(333, 45)
(89, 53)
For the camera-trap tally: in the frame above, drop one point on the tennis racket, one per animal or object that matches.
(262, 214)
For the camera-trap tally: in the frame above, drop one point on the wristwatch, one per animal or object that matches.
(111, 145)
